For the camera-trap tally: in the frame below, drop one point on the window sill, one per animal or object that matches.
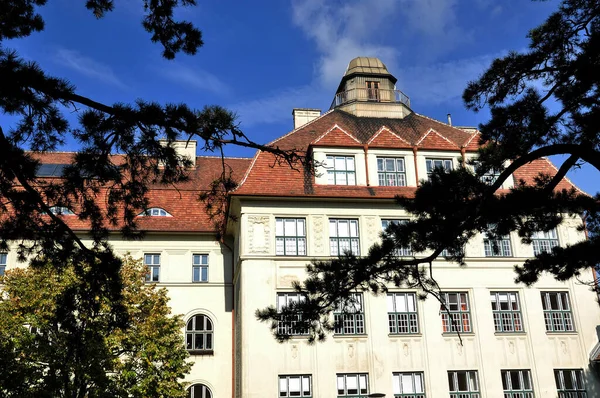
(200, 282)
(572, 333)
(455, 334)
(201, 352)
(509, 334)
(350, 336)
(396, 335)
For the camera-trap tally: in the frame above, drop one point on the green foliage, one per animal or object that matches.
(49, 349)
(544, 101)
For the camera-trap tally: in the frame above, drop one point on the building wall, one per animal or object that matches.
(263, 275)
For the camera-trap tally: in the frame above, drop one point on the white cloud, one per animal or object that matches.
(87, 67)
(194, 77)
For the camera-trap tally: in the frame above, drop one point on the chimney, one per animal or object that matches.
(184, 148)
(450, 119)
(304, 115)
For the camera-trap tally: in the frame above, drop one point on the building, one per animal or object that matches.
(517, 342)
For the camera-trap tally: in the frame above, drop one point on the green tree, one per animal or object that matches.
(543, 101)
(48, 349)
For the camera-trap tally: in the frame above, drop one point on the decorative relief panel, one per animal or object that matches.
(373, 229)
(259, 235)
(319, 235)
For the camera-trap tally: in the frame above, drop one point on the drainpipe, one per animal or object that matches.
(463, 152)
(366, 149)
(415, 160)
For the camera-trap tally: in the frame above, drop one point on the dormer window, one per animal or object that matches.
(155, 212)
(391, 172)
(61, 211)
(341, 170)
(432, 164)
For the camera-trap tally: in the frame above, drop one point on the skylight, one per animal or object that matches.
(61, 210)
(51, 170)
(155, 212)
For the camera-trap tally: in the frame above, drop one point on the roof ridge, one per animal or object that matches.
(565, 177)
(389, 130)
(314, 142)
(224, 157)
(471, 139)
(301, 127)
(440, 122)
(431, 129)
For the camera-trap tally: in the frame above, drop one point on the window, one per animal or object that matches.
(343, 237)
(61, 211)
(570, 383)
(463, 384)
(199, 335)
(199, 391)
(507, 312)
(290, 236)
(391, 172)
(155, 212)
(200, 268)
(459, 319)
(3, 257)
(152, 261)
(544, 241)
(557, 312)
(400, 252)
(341, 170)
(295, 386)
(517, 384)
(349, 317)
(402, 313)
(408, 385)
(373, 91)
(490, 176)
(497, 247)
(431, 164)
(288, 326)
(353, 385)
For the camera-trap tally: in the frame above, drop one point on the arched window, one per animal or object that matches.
(199, 391)
(155, 212)
(199, 335)
(61, 210)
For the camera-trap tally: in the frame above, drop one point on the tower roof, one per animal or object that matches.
(369, 66)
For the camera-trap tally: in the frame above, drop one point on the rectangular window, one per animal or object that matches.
(507, 312)
(570, 383)
(3, 257)
(349, 317)
(343, 237)
(544, 241)
(391, 172)
(400, 252)
(463, 384)
(431, 164)
(341, 170)
(295, 386)
(290, 236)
(200, 268)
(557, 312)
(152, 261)
(517, 384)
(497, 247)
(408, 385)
(289, 325)
(459, 319)
(490, 176)
(355, 385)
(402, 313)
(373, 91)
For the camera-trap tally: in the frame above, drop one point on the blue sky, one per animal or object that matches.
(264, 58)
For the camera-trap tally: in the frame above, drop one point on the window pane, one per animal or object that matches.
(400, 165)
(196, 274)
(380, 163)
(350, 163)
(343, 229)
(204, 274)
(306, 385)
(419, 383)
(390, 303)
(390, 165)
(407, 385)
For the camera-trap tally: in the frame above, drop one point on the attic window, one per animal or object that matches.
(50, 170)
(61, 211)
(155, 212)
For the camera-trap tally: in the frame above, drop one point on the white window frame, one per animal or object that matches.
(510, 319)
(461, 316)
(349, 317)
(544, 241)
(472, 382)
(155, 212)
(3, 263)
(304, 383)
(403, 317)
(205, 331)
(446, 163)
(558, 320)
(497, 247)
(348, 383)
(577, 390)
(352, 238)
(283, 236)
(199, 268)
(403, 251)
(61, 211)
(150, 261)
(399, 176)
(203, 393)
(408, 384)
(517, 383)
(338, 175)
(286, 326)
